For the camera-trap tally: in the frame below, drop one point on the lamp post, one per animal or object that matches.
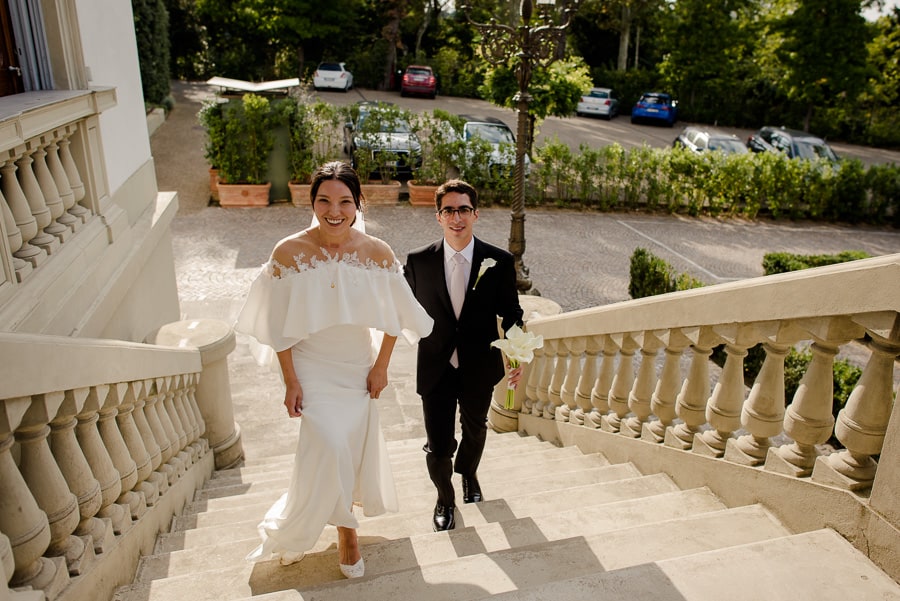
(532, 46)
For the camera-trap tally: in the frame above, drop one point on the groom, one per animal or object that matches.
(464, 284)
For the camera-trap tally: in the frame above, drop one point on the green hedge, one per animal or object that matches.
(713, 183)
(151, 28)
(650, 275)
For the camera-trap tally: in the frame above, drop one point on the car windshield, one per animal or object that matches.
(599, 94)
(418, 71)
(727, 145)
(397, 126)
(810, 149)
(654, 99)
(495, 134)
(329, 67)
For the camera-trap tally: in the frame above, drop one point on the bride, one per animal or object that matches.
(316, 302)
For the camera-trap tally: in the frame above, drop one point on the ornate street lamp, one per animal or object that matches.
(532, 46)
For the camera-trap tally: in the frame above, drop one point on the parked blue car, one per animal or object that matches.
(655, 106)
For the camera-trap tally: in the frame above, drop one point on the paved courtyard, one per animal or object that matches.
(578, 259)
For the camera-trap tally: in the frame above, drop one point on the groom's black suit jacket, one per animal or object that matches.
(480, 364)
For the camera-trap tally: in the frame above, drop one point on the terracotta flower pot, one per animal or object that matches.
(299, 194)
(382, 194)
(421, 195)
(244, 195)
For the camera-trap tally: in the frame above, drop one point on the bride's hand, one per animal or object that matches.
(293, 399)
(376, 381)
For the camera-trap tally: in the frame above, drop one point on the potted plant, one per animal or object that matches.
(316, 137)
(244, 156)
(442, 146)
(210, 117)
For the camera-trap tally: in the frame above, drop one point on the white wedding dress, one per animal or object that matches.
(325, 310)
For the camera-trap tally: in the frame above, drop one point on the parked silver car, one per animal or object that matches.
(792, 143)
(699, 140)
(334, 76)
(598, 102)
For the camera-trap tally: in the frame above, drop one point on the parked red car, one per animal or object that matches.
(418, 79)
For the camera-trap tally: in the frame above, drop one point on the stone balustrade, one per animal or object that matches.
(101, 443)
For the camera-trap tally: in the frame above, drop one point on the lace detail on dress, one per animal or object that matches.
(350, 259)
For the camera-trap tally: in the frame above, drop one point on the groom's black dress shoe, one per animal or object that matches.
(443, 517)
(471, 490)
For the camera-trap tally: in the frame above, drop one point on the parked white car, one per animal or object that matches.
(332, 75)
(598, 102)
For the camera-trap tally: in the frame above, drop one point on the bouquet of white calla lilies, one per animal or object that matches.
(518, 346)
(485, 265)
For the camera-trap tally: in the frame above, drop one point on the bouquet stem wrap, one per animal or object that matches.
(518, 346)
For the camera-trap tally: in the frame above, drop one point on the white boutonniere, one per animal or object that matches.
(485, 265)
(519, 347)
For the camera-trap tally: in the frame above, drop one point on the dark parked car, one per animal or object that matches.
(655, 106)
(418, 79)
(382, 131)
(699, 140)
(792, 143)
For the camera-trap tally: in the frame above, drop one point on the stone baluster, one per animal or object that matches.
(14, 238)
(68, 163)
(88, 435)
(193, 404)
(543, 383)
(21, 519)
(600, 392)
(160, 433)
(38, 206)
(7, 561)
(186, 415)
(48, 190)
(723, 411)
(134, 442)
(554, 392)
(690, 404)
(862, 423)
(575, 348)
(640, 397)
(58, 172)
(178, 426)
(534, 375)
(176, 459)
(763, 413)
(621, 384)
(586, 381)
(96, 533)
(158, 479)
(47, 483)
(662, 402)
(118, 452)
(21, 212)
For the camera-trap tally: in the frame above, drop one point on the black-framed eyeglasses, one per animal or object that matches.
(461, 211)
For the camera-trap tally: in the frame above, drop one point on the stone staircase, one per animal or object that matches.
(558, 524)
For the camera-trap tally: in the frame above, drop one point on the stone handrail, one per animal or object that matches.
(94, 436)
(585, 374)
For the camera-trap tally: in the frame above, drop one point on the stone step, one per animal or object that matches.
(818, 565)
(420, 484)
(414, 445)
(506, 555)
(534, 501)
(592, 481)
(568, 522)
(492, 489)
(412, 462)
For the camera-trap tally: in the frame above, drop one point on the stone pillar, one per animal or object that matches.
(215, 340)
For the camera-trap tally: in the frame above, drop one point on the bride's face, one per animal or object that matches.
(334, 206)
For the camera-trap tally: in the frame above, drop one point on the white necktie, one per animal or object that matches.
(457, 292)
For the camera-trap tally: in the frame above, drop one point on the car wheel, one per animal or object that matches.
(403, 94)
(634, 120)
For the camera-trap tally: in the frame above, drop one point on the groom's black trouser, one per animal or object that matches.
(439, 410)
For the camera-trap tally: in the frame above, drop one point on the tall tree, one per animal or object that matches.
(824, 50)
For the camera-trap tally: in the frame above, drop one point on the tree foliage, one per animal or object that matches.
(151, 27)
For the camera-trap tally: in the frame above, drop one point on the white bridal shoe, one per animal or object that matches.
(357, 570)
(288, 557)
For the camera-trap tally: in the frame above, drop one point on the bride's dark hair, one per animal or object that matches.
(342, 172)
